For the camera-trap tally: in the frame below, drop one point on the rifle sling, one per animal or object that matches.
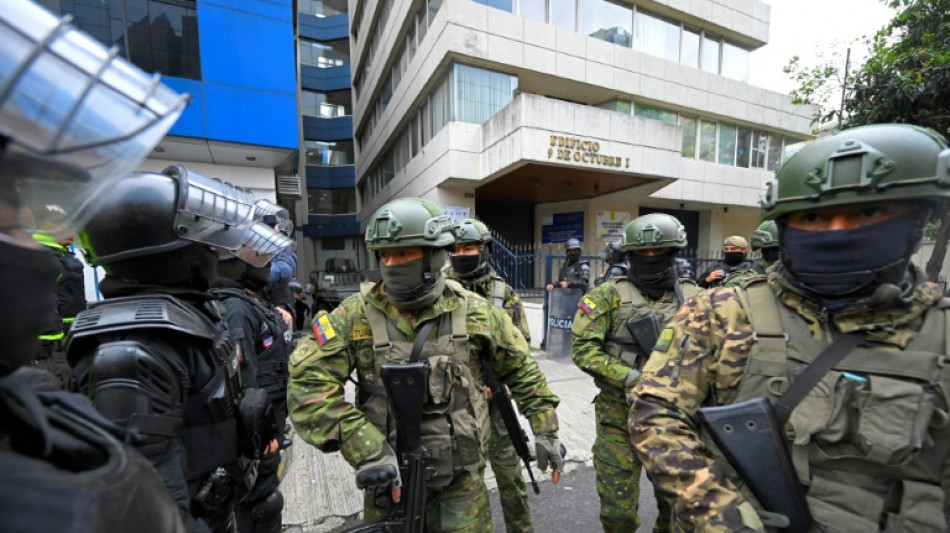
(813, 373)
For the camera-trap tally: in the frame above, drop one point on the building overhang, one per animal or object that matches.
(190, 149)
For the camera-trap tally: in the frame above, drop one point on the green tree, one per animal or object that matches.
(905, 78)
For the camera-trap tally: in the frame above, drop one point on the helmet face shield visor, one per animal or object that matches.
(268, 211)
(261, 245)
(74, 115)
(211, 211)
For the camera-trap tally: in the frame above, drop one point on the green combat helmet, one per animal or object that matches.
(765, 236)
(409, 222)
(656, 230)
(471, 230)
(883, 162)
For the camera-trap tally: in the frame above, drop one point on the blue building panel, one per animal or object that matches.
(332, 226)
(192, 122)
(325, 79)
(342, 177)
(251, 117)
(325, 28)
(327, 129)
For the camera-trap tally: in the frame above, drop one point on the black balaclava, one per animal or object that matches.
(654, 274)
(573, 256)
(840, 266)
(471, 266)
(733, 258)
(29, 296)
(415, 284)
(770, 254)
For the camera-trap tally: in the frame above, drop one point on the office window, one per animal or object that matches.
(620, 106)
(707, 141)
(480, 93)
(735, 62)
(657, 36)
(433, 9)
(441, 102)
(710, 54)
(775, 152)
(743, 147)
(329, 153)
(689, 48)
(760, 143)
(607, 21)
(331, 201)
(322, 8)
(327, 105)
(654, 113)
(325, 54)
(564, 14)
(727, 144)
(504, 5)
(534, 9)
(689, 136)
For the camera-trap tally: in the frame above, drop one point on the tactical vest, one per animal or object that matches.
(871, 441)
(576, 275)
(498, 292)
(619, 344)
(455, 414)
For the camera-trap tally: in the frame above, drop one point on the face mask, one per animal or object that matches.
(652, 273)
(842, 265)
(734, 258)
(26, 302)
(770, 255)
(466, 265)
(408, 286)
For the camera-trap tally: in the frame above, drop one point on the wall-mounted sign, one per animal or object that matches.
(563, 226)
(586, 151)
(610, 224)
(456, 213)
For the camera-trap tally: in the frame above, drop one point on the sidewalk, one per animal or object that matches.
(320, 491)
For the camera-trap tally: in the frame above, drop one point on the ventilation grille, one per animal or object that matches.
(149, 311)
(289, 186)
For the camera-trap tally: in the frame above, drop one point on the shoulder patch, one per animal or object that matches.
(664, 340)
(361, 332)
(323, 330)
(587, 305)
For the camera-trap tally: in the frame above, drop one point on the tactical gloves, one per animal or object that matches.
(379, 470)
(549, 451)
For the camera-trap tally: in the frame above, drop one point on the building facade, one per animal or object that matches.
(551, 119)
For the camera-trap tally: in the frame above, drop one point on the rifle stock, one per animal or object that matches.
(501, 398)
(750, 436)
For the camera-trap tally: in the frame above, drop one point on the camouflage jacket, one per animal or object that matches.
(485, 286)
(700, 360)
(738, 278)
(319, 369)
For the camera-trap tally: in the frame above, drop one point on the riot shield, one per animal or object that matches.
(562, 304)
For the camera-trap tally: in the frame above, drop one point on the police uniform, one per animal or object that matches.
(576, 274)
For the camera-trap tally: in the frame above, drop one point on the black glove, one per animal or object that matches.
(379, 470)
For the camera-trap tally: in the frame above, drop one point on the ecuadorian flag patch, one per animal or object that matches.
(323, 330)
(587, 305)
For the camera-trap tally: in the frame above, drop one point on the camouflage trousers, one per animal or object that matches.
(461, 507)
(506, 465)
(618, 470)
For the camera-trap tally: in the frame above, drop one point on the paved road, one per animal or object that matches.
(572, 506)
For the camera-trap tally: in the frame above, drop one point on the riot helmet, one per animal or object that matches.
(274, 215)
(612, 254)
(895, 166)
(572, 249)
(74, 117)
(407, 223)
(471, 231)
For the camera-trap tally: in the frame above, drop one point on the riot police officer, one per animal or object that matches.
(614, 259)
(62, 466)
(846, 326)
(155, 356)
(574, 273)
(379, 325)
(471, 268)
(614, 329)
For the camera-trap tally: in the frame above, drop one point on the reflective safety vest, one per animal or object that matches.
(871, 441)
(455, 415)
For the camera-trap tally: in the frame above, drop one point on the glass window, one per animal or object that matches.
(326, 105)
(387, 93)
(710, 54)
(707, 141)
(775, 152)
(322, 8)
(656, 36)
(607, 21)
(735, 62)
(441, 105)
(421, 25)
(329, 153)
(331, 201)
(504, 5)
(689, 48)
(389, 167)
(325, 55)
(564, 14)
(743, 146)
(534, 9)
(689, 136)
(480, 93)
(620, 106)
(424, 124)
(415, 136)
(760, 142)
(434, 6)
(727, 144)
(654, 113)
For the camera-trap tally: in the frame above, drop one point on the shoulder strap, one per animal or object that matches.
(421, 339)
(629, 295)
(761, 308)
(498, 292)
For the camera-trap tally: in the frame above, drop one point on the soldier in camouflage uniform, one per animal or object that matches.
(604, 347)
(377, 326)
(470, 267)
(765, 239)
(870, 442)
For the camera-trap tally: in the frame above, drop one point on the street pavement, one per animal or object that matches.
(321, 495)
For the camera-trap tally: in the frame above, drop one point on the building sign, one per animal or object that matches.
(563, 226)
(456, 213)
(610, 224)
(584, 151)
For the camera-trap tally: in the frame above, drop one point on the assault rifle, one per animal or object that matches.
(499, 396)
(406, 388)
